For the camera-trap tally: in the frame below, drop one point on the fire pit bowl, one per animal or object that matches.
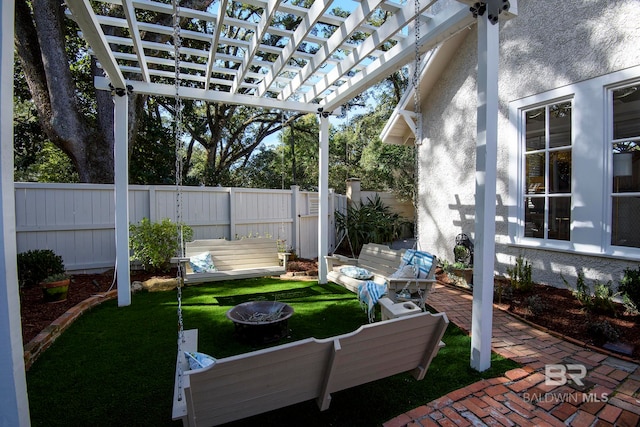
(261, 322)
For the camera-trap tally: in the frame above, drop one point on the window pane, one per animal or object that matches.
(535, 173)
(535, 128)
(626, 167)
(626, 112)
(624, 222)
(560, 125)
(559, 218)
(534, 217)
(560, 172)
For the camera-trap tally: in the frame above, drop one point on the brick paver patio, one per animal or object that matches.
(609, 394)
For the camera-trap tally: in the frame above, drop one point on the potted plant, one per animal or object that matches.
(463, 271)
(462, 266)
(55, 287)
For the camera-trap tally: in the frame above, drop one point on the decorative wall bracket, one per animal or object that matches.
(493, 7)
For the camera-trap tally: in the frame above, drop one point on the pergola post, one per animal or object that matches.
(323, 195)
(486, 156)
(14, 405)
(121, 189)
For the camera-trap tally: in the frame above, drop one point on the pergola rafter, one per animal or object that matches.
(317, 62)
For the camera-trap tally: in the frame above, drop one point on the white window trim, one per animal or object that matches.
(590, 220)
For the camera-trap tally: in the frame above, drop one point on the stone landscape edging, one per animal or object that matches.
(48, 335)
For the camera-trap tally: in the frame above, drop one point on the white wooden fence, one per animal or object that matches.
(77, 220)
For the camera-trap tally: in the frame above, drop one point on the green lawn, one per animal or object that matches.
(115, 366)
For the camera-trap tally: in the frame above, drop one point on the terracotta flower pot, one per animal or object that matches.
(55, 291)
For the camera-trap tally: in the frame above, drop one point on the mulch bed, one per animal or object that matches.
(559, 311)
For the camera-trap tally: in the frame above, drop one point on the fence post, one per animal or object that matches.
(332, 218)
(353, 192)
(232, 214)
(153, 204)
(295, 217)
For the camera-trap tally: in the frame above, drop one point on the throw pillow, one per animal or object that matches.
(356, 272)
(202, 263)
(198, 360)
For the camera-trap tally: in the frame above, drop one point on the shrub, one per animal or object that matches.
(520, 275)
(600, 301)
(603, 331)
(371, 222)
(153, 244)
(630, 287)
(535, 305)
(35, 265)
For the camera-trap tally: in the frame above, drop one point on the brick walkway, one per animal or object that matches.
(609, 396)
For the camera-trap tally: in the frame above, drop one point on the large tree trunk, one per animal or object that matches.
(87, 140)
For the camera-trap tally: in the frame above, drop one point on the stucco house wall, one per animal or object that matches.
(550, 46)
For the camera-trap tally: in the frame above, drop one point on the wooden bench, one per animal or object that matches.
(252, 383)
(235, 259)
(382, 261)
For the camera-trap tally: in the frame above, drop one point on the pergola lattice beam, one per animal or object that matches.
(93, 34)
(132, 21)
(315, 12)
(160, 89)
(387, 30)
(214, 44)
(438, 29)
(255, 42)
(348, 27)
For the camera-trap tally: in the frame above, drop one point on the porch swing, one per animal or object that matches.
(212, 392)
(403, 276)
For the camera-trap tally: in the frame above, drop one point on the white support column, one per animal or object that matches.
(295, 217)
(14, 404)
(323, 195)
(486, 154)
(121, 177)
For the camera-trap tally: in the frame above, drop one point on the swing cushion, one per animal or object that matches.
(356, 272)
(198, 360)
(202, 263)
(422, 261)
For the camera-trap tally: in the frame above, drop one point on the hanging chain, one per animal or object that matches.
(177, 132)
(418, 122)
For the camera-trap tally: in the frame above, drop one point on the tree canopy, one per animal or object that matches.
(64, 126)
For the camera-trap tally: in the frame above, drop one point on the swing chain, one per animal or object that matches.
(177, 132)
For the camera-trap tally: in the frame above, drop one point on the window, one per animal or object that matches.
(547, 157)
(574, 167)
(625, 176)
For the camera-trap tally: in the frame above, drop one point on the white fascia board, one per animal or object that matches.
(169, 90)
(434, 65)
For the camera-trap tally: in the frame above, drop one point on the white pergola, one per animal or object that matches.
(227, 60)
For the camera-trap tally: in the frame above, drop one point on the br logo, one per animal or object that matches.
(561, 374)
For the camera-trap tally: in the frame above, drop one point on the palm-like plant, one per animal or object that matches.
(371, 222)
